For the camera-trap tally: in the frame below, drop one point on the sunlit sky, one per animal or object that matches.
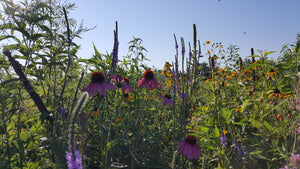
(260, 24)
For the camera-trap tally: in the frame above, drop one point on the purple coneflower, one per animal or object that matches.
(189, 147)
(295, 160)
(166, 99)
(98, 84)
(74, 161)
(125, 85)
(117, 80)
(148, 81)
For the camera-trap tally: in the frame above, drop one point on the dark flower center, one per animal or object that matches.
(276, 91)
(191, 140)
(97, 77)
(126, 95)
(149, 74)
(167, 96)
(126, 80)
(272, 71)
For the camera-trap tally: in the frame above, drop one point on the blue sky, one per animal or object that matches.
(268, 24)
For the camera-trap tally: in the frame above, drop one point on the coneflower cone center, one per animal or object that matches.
(167, 96)
(126, 80)
(276, 91)
(98, 77)
(191, 140)
(149, 74)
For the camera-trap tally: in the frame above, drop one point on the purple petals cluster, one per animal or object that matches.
(182, 95)
(166, 99)
(149, 81)
(190, 148)
(295, 160)
(98, 85)
(74, 160)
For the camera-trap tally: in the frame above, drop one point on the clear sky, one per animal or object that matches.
(259, 24)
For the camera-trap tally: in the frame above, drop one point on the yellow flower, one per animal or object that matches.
(221, 46)
(207, 80)
(278, 95)
(168, 64)
(95, 112)
(265, 53)
(225, 132)
(206, 107)
(238, 109)
(273, 72)
(165, 73)
(208, 52)
(208, 42)
(247, 72)
(126, 97)
(215, 57)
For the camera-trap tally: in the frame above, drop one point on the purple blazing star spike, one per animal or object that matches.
(190, 55)
(182, 95)
(62, 110)
(74, 161)
(223, 140)
(183, 51)
(174, 88)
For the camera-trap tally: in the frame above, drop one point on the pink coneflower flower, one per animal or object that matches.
(98, 85)
(116, 80)
(148, 81)
(166, 99)
(125, 85)
(295, 160)
(189, 147)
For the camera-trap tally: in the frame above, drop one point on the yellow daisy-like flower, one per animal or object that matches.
(208, 42)
(208, 80)
(272, 72)
(222, 70)
(278, 95)
(247, 72)
(208, 52)
(168, 64)
(215, 57)
(126, 97)
(225, 132)
(165, 73)
(238, 109)
(95, 112)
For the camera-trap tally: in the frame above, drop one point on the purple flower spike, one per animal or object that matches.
(74, 161)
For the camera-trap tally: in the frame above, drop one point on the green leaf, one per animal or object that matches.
(216, 132)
